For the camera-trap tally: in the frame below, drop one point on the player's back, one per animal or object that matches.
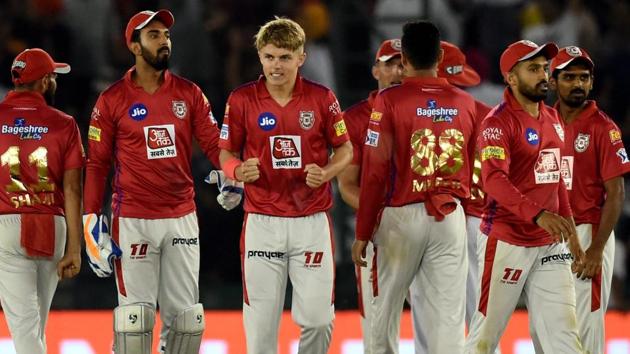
(432, 124)
(38, 143)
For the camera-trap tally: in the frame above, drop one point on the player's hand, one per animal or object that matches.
(558, 227)
(315, 175)
(69, 265)
(230, 191)
(592, 263)
(99, 246)
(358, 252)
(248, 171)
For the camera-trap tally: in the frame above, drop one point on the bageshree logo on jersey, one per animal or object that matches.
(160, 141)
(547, 169)
(286, 151)
(437, 113)
(24, 131)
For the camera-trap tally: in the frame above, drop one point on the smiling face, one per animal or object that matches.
(530, 78)
(154, 45)
(573, 84)
(280, 66)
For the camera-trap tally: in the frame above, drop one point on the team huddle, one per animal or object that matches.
(461, 208)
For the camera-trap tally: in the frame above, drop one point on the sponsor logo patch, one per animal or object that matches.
(371, 138)
(547, 169)
(24, 131)
(492, 152)
(265, 254)
(286, 151)
(557, 258)
(94, 133)
(334, 108)
(138, 112)
(437, 113)
(615, 136)
(559, 131)
(307, 119)
(623, 155)
(96, 114)
(581, 142)
(492, 133)
(193, 241)
(531, 135)
(179, 109)
(340, 128)
(267, 121)
(376, 116)
(160, 141)
(566, 171)
(225, 132)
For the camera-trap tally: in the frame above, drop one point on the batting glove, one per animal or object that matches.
(99, 246)
(230, 191)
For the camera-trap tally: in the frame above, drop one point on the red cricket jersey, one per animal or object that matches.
(357, 118)
(38, 144)
(418, 146)
(285, 140)
(593, 154)
(474, 205)
(149, 137)
(520, 169)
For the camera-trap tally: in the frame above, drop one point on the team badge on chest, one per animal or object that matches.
(179, 109)
(581, 142)
(307, 119)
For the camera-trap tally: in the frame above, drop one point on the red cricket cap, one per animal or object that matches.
(388, 49)
(567, 55)
(523, 50)
(454, 68)
(141, 19)
(33, 64)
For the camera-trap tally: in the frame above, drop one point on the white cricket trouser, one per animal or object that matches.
(592, 295)
(159, 264)
(411, 247)
(544, 275)
(365, 283)
(27, 285)
(301, 249)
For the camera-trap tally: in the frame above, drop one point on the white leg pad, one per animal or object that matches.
(184, 336)
(133, 328)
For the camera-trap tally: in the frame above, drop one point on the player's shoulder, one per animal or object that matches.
(357, 107)
(311, 87)
(115, 88)
(498, 114)
(182, 83)
(245, 90)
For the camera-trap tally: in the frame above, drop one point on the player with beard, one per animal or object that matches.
(40, 203)
(531, 235)
(146, 122)
(593, 164)
(388, 71)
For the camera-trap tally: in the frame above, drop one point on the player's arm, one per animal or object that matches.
(611, 210)
(349, 185)
(494, 142)
(377, 156)
(70, 263)
(573, 242)
(100, 150)
(316, 175)
(205, 128)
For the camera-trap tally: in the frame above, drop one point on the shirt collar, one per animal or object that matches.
(25, 97)
(514, 105)
(589, 109)
(262, 92)
(427, 80)
(130, 82)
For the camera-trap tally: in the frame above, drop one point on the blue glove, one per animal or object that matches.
(230, 191)
(99, 246)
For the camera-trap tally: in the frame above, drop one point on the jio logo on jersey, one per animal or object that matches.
(267, 121)
(531, 135)
(138, 112)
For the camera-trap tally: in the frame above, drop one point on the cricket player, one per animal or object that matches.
(387, 71)
(454, 68)
(276, 137)
(594, 161)
(415, 170)
(531, 236)
(145, 123)
(40, 204)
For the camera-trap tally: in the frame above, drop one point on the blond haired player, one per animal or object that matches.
(276, 137)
